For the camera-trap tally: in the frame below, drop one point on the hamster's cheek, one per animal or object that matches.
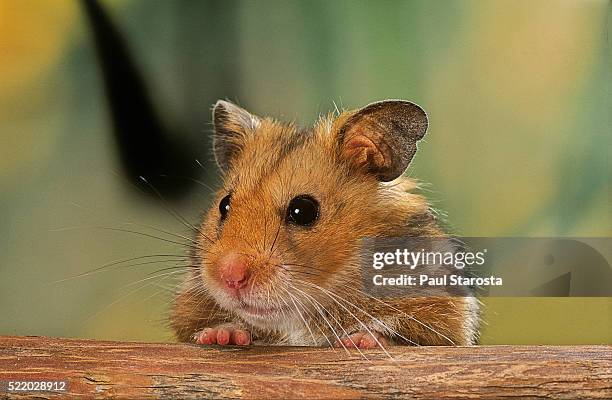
(210, 275)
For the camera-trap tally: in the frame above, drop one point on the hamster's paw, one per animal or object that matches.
(223, 335)
(362, 340)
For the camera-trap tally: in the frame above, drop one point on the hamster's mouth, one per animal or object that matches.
(259, 311)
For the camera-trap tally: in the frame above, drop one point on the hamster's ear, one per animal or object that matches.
(381, 138)
(232, 126)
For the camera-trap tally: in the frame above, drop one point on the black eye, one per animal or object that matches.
(303, 210)
(224, 206)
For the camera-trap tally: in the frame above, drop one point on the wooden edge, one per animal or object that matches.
(105, 369)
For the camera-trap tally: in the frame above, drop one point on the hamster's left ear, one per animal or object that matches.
(382, 137)
(232, 127)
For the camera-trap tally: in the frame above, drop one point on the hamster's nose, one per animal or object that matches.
(234, 270)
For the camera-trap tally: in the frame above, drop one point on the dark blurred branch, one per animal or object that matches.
(145, 144)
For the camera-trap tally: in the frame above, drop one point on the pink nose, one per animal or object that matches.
(234, 271)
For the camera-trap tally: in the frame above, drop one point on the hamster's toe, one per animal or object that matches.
(362, 340)
(223, 335)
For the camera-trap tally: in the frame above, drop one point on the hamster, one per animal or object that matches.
(276, 259)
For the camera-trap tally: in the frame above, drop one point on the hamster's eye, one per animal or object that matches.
(224, 206)
(303, 210)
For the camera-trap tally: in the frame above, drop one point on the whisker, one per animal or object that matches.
(353, 315)
(169, 209)
(131, 292)
(301, 316)
(274, 242)
(339, 324)
(163, 231)
(318, 307)
(304, 266)
(411, 317)
(185, 268)
(290, 271)
(313, 317)
(118, 264)
(199, 182)
(381, 323)
(149, 235)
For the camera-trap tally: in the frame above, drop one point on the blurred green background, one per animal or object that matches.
(519, 142)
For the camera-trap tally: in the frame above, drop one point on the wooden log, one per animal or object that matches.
(105, 369)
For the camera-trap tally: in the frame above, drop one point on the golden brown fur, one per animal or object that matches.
(312, 275)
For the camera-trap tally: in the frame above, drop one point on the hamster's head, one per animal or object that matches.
(295, 203)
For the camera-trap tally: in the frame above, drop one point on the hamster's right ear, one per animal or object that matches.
(381, 138)
(232, 126)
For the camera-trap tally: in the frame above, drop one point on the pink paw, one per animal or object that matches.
(362, 340)
(223, 335)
